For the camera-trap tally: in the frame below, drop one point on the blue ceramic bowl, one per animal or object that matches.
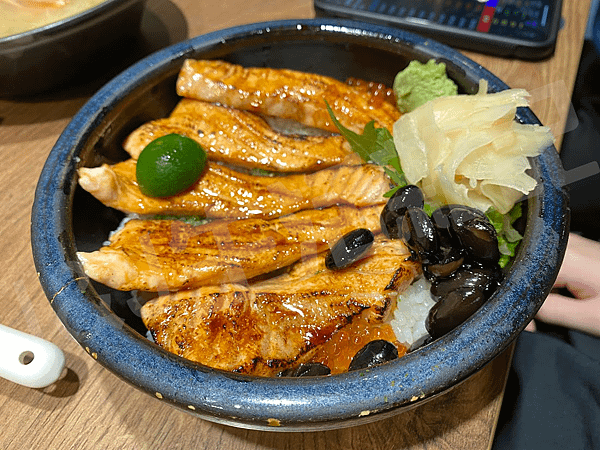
(66, 219)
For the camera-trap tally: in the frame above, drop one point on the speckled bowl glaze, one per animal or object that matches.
(105, 322)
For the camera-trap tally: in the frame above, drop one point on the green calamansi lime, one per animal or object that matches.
(169, 165)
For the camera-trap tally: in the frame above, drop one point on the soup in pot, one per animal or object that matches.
(19, 16)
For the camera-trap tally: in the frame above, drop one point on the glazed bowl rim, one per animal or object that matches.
(290, 404)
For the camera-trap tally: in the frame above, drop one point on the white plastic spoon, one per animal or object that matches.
(29, 360)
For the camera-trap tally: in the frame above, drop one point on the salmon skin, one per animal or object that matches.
(243, 139)
(222, 192)
(376, 89)
(266, 327)
(285, 93)
(161, 255)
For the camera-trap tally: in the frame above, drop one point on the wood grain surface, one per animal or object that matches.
(89, 407)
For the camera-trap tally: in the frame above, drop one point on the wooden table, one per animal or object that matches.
(90, 408)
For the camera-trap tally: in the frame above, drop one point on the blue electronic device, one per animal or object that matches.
(524, 29)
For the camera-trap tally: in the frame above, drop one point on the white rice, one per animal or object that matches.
(413, 306)
(125, 219)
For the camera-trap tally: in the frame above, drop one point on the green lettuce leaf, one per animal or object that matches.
(508, 237)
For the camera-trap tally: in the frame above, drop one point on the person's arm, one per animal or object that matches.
(580, 275)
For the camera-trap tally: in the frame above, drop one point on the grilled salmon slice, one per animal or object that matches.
(266, 327)
(225, 193)
(285, 93)
(243, 139)
(160, 255)
(376, 89)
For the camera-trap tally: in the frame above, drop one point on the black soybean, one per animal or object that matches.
(493, 269)
(467, 278)
(372, 354)
(459, 296)
(311, 369)
(452, 310)
(349, 248)
(419, 234)
(476, 234)
(441, 222)
(447, 261)
(393, 211)
(421, 342)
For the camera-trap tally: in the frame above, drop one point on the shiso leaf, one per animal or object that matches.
(374, 145)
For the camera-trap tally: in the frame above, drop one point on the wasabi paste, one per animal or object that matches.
(419, 83)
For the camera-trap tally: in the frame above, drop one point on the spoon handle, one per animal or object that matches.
(29, 360)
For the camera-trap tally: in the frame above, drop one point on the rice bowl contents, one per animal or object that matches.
(253, 295)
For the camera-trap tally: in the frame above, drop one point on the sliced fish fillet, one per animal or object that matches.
(225, 193)
(285, 93)
(243, 139)
(376, 89)
(266, 327)
(160, 255)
